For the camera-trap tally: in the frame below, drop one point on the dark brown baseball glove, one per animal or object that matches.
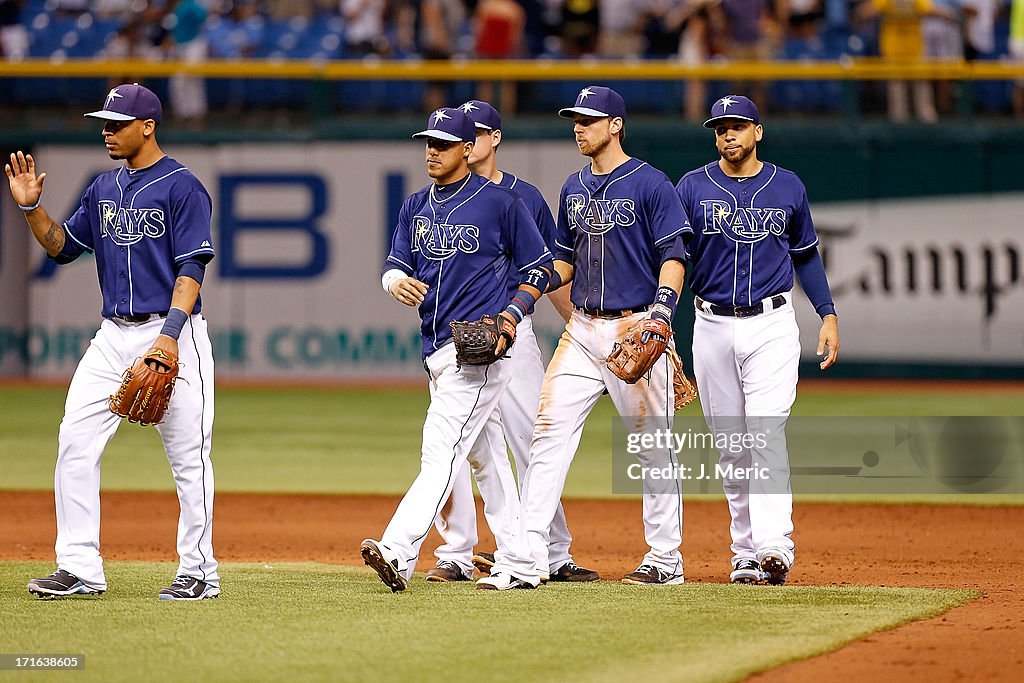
(146, 387)
(639, 350)
(476, 342)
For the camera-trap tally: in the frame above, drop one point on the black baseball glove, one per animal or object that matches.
(476, 342)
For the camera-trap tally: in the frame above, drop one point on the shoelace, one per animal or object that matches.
(648, 569)
(182, 581)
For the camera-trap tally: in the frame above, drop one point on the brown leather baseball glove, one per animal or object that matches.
(685, 393)
(639, 350)
(476, 342)
(146, 388)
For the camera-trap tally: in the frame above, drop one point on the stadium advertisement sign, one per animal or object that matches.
(295, 291)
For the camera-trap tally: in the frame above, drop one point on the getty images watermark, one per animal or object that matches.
(664, 440)
(819, 455)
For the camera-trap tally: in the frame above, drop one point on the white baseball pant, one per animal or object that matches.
(186, 432)
(517, 410)
(463, 405)
(575, 379)
(747, 368)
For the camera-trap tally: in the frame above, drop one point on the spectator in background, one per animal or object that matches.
(498, 34)
(752, 33)
(943, 42)
(580, 27)
(13, 34)
(1017, 52)
(440, 25)
(980, 28)
(901, 41)
(364, 27)
(683, 29)
(238, 33)
(801, 19)
(187, 43)
(621, 24)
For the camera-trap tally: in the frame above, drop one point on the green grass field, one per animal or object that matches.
(321, 623)
(322, 441)
(318, 622)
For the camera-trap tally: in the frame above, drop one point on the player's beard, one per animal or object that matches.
(593, 149)
(737, 158)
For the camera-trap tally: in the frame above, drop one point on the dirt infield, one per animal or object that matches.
(872, 545)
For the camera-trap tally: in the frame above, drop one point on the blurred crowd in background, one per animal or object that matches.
(691, 31)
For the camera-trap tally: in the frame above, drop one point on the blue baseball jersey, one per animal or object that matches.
(617, 230)
(535, 204)
(466, 241)
(141, 224)
(744, 232)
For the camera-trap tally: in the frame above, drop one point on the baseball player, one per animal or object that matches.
(463, 248)
(148, 224)
(752, 229)
(619, 240)
(517, 409)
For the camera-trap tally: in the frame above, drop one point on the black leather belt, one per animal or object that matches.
(739, 311)
(611, 313)
(142, 318)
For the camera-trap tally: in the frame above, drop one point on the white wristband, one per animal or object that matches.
(391, 277)
(33, 207)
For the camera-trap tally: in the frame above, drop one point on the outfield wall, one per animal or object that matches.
(294, 291)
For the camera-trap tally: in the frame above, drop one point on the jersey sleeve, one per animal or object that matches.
(523, 237)
(801, 228)
(78, 230)
(541, 213)
(400, 255)
(563, 240)
(190, 225)
(667, 215)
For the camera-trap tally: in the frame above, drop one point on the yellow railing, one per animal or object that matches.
(519, 70)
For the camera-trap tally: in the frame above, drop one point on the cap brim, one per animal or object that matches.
(109, 115)
(438, 135)
(712, 122)
(584, 111)
(482, 125)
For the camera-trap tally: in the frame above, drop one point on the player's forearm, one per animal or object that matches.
(559, 298)
(671, 275)
(185, 294)
(48, 233)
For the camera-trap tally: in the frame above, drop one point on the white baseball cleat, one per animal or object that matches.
(500, 581)
(60, 584)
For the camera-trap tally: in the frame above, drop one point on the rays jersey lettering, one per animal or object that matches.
(616, 269)
(141, 225)
(745, 233)
(742, 224)
(596, 216)
(128, 226)
(471, 243)
(441, 241)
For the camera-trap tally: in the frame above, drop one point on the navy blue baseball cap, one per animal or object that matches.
(129, 102)
(596, 100)
(449, 124)
(732, 107)
(483, 114)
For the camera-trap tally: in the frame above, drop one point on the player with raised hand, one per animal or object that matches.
(464, 249)
(517, 408)
(619, 240)
(752, 230)
(148, 223)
